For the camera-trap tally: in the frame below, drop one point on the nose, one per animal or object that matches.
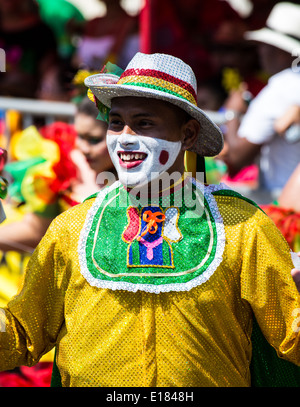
(83, 146)
(128, 130)
(128, 138)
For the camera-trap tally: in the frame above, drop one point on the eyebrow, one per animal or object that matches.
(137, 115)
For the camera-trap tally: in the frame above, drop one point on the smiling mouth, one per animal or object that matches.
(131, 159)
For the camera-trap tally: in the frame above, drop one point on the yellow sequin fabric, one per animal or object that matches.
(118, 338)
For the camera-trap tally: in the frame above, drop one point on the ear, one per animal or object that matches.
(190, 132)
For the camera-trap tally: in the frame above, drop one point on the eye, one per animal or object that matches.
(145, 123)
(94, 141)
(115, 124)
(90, 140)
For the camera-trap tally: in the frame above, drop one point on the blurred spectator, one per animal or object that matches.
(211, 94)
(31, 52)
(236, 62)
(55, 168)
(289, 197)
(113, 37)
(48, 185)
(235, 58)
(62, 16)
(261, 10)
(255, 135)
(58, 15)
(184, 29)
(285, 213)
(290, 118)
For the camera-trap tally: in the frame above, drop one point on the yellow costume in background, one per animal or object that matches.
(41, 171)
(187, 337)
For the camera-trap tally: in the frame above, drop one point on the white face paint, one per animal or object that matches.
(139, 159)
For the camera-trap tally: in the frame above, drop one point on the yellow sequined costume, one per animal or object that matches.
(190, 337)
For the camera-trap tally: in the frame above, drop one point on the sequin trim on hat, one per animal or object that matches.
(161, 80)
(162, 77)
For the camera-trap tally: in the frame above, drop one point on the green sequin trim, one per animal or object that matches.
(91, 197)
(159, 88)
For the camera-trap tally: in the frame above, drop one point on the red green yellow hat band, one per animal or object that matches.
(150, 78)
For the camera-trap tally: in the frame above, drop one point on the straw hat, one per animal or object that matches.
(163, 77)
(282, 28)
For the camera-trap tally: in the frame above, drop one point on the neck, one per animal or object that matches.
(166, 184)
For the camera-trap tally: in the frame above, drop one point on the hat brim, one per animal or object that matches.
(209, 142)
(277, 39)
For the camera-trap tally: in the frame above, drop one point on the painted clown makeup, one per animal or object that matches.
(140, 159)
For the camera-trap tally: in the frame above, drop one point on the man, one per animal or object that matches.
(156, 280)
(250, 134)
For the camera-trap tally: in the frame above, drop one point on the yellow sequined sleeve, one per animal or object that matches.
(30, 323)
(267, 285)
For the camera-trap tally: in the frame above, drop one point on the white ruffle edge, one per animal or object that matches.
(151, 288)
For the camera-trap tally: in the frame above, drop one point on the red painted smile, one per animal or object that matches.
(131, 159)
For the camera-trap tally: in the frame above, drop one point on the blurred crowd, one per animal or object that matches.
(47, 42)
(50, 47)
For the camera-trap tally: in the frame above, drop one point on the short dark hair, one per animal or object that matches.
(88, 107)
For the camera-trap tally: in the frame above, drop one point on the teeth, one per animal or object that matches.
(131, 157)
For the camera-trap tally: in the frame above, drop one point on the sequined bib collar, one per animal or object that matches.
(173, 243)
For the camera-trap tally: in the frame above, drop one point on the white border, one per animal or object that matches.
(151, 288)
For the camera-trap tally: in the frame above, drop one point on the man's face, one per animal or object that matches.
(144, 139)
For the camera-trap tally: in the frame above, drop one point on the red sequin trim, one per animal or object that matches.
(160, 75)
(133, 226)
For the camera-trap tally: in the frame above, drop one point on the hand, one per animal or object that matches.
(85, 173)
(296, 274)
(85, 185)
(236, 100)
(223, 152)
(291, 116)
